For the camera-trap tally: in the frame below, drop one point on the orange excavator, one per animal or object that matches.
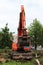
(22, 49)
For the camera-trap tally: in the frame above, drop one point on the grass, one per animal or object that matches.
(31, 62)
(4, 53)
(41, 60)
(17, 63)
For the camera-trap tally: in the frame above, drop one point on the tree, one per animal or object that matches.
(0, 38)
(42, 37)
(7, 37)
(35, 31)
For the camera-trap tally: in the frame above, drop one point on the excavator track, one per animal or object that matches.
(22, 56)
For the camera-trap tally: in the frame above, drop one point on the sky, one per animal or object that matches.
(10, 10)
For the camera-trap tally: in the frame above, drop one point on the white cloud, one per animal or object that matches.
(40, 2)
(10, 9)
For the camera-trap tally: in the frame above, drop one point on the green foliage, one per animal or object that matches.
(42, 37)
(6, 37)
(35, 31)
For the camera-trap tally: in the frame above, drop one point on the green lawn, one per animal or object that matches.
(31, 62)
(17, 63)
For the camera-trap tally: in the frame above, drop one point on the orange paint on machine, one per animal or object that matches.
(26, 48)
(14, 46)
(23, 41)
